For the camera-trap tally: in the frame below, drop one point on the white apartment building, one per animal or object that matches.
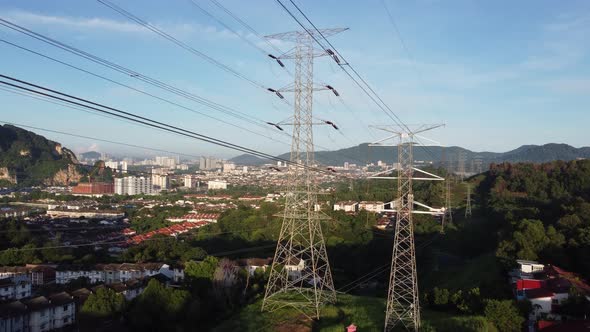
(166, 162)
(190, 181)
(117, 165)
(346, 206)
(228, 167)
(372, 206)
(38, 314)
(113, 273)
(14, 289)
(134, 185)
(216, 184)
(160, 182)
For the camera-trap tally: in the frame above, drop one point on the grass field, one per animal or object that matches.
(365, 312)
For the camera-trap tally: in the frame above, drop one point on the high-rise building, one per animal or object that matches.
(134, 185)
(190, 181)
(160, 182)
(228, 167)
(217, 184)
(120, 166)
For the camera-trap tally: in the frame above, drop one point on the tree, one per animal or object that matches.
(104, 303)
(504, 315)
(201, 270)
(158, 308)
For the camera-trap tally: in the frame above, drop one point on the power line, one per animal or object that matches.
(342, 62)
(98, 139)
(143, 120)
(164, 86)
(215, 106)
(183, 45)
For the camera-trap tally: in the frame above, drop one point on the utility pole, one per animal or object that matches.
(300, 275)
(403, 307)
(468, 206)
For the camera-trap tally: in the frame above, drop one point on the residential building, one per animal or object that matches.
(38, 314)
(190, 181)
(346, 206)
(216, 184)
(160, 182)
(93, 188)
(546, 287)
(251, 264)
(111, 273)
(196, 217)
(134, 185)
(120, 166)
(229, 167)
(14, 288)
(371, 206)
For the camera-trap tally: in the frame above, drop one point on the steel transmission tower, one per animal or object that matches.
(300, 275)
(448, 215)
(461, 165)
(403, 305)
(468, 206)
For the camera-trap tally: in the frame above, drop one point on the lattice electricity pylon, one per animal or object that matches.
(461, 165)
(448, 215)
(403, 305)
(300, 275)
(468, 206)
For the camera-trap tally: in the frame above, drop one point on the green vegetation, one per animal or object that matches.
(31, 157)
(367, 313)
(104, 303)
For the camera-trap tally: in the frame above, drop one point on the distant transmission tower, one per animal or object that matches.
(468, 206)
(300, 275)
(403, 307)
(461, 165)
(448, 215)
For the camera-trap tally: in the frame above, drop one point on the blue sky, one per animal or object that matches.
(499, 74)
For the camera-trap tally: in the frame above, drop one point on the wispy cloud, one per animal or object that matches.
(107, 25)
(563, 43)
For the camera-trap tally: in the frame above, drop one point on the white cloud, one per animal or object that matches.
(562, 43)
(98, 24)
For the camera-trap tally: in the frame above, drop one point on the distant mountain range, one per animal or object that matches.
(90, 155)
(363, 154)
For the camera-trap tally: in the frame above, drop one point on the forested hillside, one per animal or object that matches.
(30, 159)
(364, 153)
(541, 212)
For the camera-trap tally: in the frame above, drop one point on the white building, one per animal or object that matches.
(38, 314)
(166, 162)
(371, 206)
(134, 185)
(160, 182)
(190, 181)
(117, 165)
(111, 273)
(216, 184)
(228, 167)
(295, 267)
(14, 289)
(346, 206)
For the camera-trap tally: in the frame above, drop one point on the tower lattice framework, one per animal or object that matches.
(402, 298)
(300, 275)
(468, 205)
(403, 307)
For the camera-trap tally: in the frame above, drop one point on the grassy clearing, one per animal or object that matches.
(365, 312)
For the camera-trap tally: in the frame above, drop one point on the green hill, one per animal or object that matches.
(30, 159)
(363, 154)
